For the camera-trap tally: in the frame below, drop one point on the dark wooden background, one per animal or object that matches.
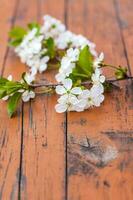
(74, 156)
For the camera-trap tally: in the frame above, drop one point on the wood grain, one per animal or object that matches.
(99, 141)
(8, 10)
(97, 162)
(124, 11)
(43, 155)
(10, 129)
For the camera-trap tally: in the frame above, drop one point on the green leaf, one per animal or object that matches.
(2, 93)
(13, 103)
(121, 73)
(85, 61)
(50, 45)
(3, 81)
(11, 87)
(34, 25)
(15, 42)
(17, 32)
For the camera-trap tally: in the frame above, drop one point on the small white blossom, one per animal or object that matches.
(29, 78)
(27, 95)
(65, 40)
(38, 64)
(98, 60)
(97, 78)
(30, 45)
(93, 97)
(80, 41)
(68, 100)
(30, 51)
(69, 39)
(52, 27)
(60, 77)
(67, 64)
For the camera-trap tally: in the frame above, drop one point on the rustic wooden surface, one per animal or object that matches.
(75, 156)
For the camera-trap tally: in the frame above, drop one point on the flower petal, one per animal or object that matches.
(102, 79)
(85, 94)
(32, 94)
(60, 90)
(60, 108)
(63, 99)
(25, 96)
(76, 90)
(60, 77)
(5, 98)
(101, 57)
(9, 77)
(67, 83)
(42, 67)
(96, 90)
(73, 99)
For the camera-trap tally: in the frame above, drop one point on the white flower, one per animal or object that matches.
(38, 64)
(93, 97)
(29, 50)
(64, 40)
(27, 95)
(73, 54)
(29, 36)
(68, 100)
(36, 44)
(43, 64)
(52, 27)
(66, 88)
(79, 41)
(98, 60)
(60, 77)
(97, 78)
(29, 78)
(9, 78)
(80, 105)
(67, 64)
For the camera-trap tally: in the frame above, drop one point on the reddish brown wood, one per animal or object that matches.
(10, 129)
(100, 140)
(7, 17)
(43, 156)
(124, 11)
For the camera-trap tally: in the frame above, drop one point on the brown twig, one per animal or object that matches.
(87, 83)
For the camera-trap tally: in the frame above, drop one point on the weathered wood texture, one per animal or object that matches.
(75, 156)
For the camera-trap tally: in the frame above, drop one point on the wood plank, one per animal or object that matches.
(6, 23)
(43, 159)
(124, 9)
(10, 129)
(100, 149)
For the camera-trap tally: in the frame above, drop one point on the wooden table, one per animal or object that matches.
(74, 156)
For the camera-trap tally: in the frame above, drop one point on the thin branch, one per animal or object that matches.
(51, 85)
(115, 80)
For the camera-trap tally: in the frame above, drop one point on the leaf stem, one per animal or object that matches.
(108, 65)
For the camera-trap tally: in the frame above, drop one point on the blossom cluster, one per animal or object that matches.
(80, 98)
(79, 62)
(31, 48)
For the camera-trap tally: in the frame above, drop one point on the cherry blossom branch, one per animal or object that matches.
(83, 83)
